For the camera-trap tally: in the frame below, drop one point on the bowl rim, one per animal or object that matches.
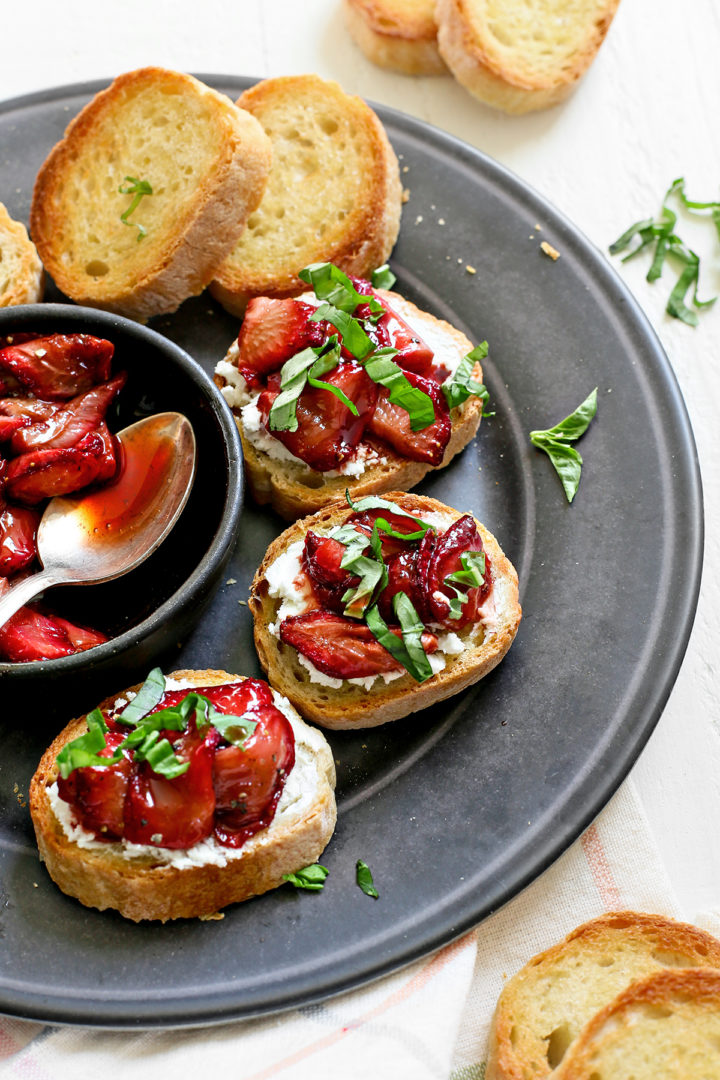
(196, 585)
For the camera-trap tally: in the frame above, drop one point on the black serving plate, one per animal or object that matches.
(457, 808)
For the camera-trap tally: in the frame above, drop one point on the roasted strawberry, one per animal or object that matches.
(391, 423)
(272, 332)
(321, 561)
(58, 367)
(341, 647)
(391, 545)
(97, 793)
(18, 528)
(81, 637)
(69, 423)
(43, 474)
(413, 353)
(402, 577)
(328, 433)
(29, 635)
(9, 425)
(173, 813)
(445, 559)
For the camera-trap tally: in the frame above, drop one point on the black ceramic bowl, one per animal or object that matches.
(148, 611)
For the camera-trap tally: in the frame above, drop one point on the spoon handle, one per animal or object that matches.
(17, 595)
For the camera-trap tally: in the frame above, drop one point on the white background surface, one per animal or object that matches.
(646, 113)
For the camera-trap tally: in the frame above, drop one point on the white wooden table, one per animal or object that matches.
(646, 113)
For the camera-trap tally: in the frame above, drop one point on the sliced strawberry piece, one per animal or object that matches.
(341, 647)
(81, 637)
(97, 793)
(173, 813)
(32, 408)
(391, 423)
(402, 577)
(462, 536)
(29, 635)
(18, 529)
(43, 474)
(69, 423)
(413, 353)
(9, 425)
(272, 332)
(391, 545)
(321, 560)
(59, 366)
(328, 433)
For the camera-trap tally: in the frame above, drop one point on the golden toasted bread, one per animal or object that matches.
(21, 272)
(397, 34)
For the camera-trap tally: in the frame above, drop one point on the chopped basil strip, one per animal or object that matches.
(555, 441)
(310, 877)
(418, 405)
(668, 244)
(472, 576)
(331, 284)
(383, 277)
(85, 749)
(147, 697)
(400, 647)
(460, 385)
(293, 378)
(373, 577)
(161, 757)
(340, 394)
(138, 188)
(365, 879)
(354, 337)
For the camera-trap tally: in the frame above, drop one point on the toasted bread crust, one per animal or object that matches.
(516, 72)
(139, 888)
(397, 34)
(295, 490)
(667, 1025)
(186, 242)
(334, 191)
(21, 274)
(354, 706)
(612, 951)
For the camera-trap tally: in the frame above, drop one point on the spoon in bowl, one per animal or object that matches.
(87, 539)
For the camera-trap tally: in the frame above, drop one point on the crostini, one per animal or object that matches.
(22, 279)
(348, 386)
(178, 797)
(367, 612)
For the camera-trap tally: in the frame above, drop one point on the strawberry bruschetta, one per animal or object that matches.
(175, 798)
(371, 610)
(347, 386)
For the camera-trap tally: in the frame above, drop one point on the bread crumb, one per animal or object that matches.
(550, 251)
(212, 918)
(19, 795)
(406, 168)
(242, 603)
(405, 195)
(470, 269)
(418, 219)
(441, 221)
(231, 581)
(537, 227)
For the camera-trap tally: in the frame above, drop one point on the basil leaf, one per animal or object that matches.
(147, 697)
(355, 340)
(397, 646)
(566, 462)
(331, 284)
(310, 877)
(418, 405)
(574, 425)
(340, 394)
(412, 628)
(472, 576)
(235, 729)
(160, 756)
(84, 750)
(623, 241)
(293, 377)
(460, 385)
(383, 277)
(372, 574)
(365, 879)
(138, 188)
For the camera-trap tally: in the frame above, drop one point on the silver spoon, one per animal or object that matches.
(86, 539)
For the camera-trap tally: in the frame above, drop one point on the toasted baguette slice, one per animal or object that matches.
(293, 489)
(543, 1010)
(145, 887)
(359, 706)
(518, 56)
(397, 34)
(333, 195)
(207, 163)
(21, 274)
(666, 1027)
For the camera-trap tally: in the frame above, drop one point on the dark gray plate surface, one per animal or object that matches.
(457, 808)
